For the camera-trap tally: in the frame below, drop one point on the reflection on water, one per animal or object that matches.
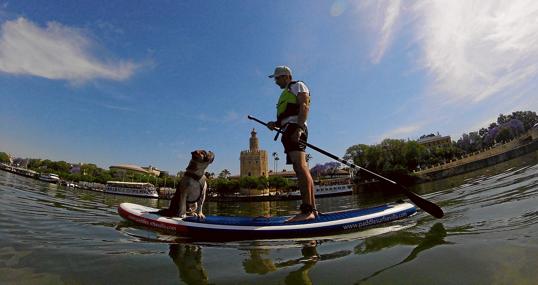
(256, 263)
(310, 257)
(434, 237)
(55, 235)
(188, 259)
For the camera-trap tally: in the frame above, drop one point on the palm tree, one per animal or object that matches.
(225, 173)
(276, 159)
(210, 175)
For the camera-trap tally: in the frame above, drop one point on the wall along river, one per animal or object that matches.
(50, 234)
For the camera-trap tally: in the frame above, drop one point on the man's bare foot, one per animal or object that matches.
(301, 217)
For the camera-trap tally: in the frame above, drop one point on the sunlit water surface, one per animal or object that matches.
(50, 234)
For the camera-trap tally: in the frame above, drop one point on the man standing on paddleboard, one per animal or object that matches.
(292, 112)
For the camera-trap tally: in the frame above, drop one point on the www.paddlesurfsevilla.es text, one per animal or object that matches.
(374, 221)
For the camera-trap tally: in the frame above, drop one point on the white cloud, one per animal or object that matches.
(401, 132)
(337, 8)
(390, 15)
(480, 57)
(478, 49)
(472, 49)
(54, 52)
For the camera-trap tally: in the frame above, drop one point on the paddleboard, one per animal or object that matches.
(244, 228)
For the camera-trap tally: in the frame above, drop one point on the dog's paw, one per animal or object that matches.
(201, 217)
(183, 216)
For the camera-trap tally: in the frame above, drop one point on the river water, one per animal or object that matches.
(50, 234)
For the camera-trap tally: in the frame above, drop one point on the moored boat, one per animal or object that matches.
(329, 187)
(49, 177)
(138, 189)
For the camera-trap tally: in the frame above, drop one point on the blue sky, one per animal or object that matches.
(147, 82)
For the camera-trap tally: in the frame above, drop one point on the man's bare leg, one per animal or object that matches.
(306, 185)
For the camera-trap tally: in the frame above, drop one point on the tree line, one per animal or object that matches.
(399, 158)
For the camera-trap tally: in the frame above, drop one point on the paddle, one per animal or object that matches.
(422, 203)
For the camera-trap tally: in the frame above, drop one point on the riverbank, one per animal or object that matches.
(523, 145)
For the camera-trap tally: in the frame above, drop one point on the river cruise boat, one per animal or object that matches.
(330, 187)
(49, 177)
(138, 189)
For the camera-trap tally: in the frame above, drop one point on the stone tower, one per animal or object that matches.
(254, 161)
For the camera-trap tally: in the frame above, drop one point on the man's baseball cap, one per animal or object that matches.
(281, 70)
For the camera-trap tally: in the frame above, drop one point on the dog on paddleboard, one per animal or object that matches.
(191, 190)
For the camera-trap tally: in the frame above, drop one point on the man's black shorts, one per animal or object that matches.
(289, 144)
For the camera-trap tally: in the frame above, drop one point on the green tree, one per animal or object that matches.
(248, 182)
(415, 155)
(90, 169)
(4, 157)
(220, 185)
(504, 135)
(502, 119)
(278, 182)
(34, 164)
(528, 118)
(397, 158)
(262, 183)
(225, 173)
(210, 175)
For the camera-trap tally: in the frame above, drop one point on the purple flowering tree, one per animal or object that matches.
(328, 168)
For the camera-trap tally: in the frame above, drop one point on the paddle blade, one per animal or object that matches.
(424, 204)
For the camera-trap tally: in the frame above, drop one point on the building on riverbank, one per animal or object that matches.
(435, 141)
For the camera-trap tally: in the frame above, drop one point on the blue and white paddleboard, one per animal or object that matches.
(243, 228)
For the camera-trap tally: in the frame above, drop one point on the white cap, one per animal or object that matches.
(281, 70)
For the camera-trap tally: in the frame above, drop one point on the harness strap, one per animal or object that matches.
(201, 180)
(193, 175)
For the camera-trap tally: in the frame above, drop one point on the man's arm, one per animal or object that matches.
(303, 99)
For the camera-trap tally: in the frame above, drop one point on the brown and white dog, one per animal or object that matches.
(192, 187)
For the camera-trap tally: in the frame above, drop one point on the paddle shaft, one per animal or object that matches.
(330, 154)
(424, 204)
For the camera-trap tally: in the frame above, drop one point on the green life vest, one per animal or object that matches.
(287, 104)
